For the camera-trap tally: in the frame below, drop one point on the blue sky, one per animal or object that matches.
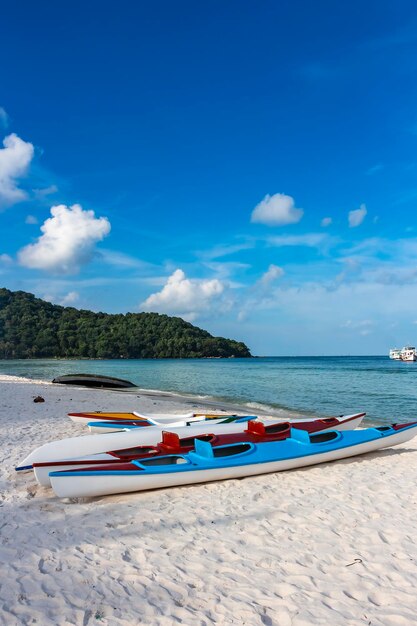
(251, 167)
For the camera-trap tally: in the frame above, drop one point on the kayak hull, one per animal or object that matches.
(91, 484)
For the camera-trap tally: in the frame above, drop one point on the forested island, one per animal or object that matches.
(33, 328)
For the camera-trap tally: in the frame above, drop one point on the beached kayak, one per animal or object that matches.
(93, 444)
(207, 463)
(113, 427)
(93, 380)
(103, 416)
(255, 432)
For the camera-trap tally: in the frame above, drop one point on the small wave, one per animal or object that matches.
(6, 378)
(175, 394)
(262, 407)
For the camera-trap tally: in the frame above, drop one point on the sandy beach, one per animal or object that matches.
(330, 544)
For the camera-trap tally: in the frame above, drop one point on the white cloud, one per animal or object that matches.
(188, 298)
(259, 291)
(45, 191)
(120, 259)
(4, 118)
(276, 210)
(226, 250)
(326, 221)
(15, 158)
(70, 298)
(310, 240)
(67, 300)
(357, 216)
(68, 240)
(273, 272)
(5, 259)
(31, 219)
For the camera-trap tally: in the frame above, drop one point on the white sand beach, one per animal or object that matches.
(330, 544)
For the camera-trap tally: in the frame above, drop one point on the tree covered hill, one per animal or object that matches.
(33, 328)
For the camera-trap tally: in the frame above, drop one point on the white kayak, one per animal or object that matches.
(206, 463)
(73, 447)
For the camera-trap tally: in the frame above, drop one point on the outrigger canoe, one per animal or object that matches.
(255, 432)
(92, 444)
(207, 463)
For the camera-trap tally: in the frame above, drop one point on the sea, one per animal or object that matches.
(324, 386)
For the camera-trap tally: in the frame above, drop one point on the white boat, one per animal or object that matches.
(73, 447)
(408, 353)
(207, 464)
(395, 353)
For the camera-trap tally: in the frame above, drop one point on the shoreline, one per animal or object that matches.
(334, 543)
(183, 400)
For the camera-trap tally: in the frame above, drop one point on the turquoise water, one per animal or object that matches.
(385, 389)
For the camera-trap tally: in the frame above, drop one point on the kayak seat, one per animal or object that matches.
(299, 435)
(330, 421)
(170, 442)
(260, 430)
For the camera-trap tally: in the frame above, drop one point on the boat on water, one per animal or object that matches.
(395, 353)
(207, 463)
(72, 447)
(170, 443)
(408, 353)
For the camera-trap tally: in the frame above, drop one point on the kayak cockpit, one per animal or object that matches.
(325, 437)
(232, 450)
(172, 459)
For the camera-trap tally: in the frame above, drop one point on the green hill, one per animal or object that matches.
(33, 328)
